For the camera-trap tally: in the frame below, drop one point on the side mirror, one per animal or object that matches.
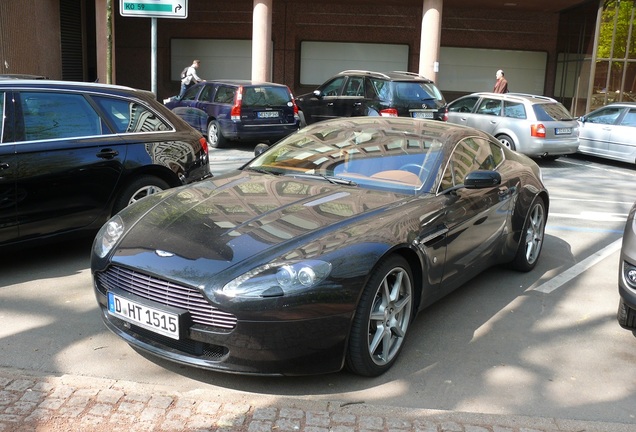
(482, 179)
(582, 119)
(318, 94)
(260, 148)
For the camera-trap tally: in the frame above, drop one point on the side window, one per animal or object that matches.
(605, 116)
(470, 154)
(381, 88)
(58, 115)
(2, 117)
(225, 95)
(130, 116)
(514, 110)
(332, 88)
(630, 118)
(464, 105)
(191, 93)
(355, 87)
(206, 94)
(490, 107)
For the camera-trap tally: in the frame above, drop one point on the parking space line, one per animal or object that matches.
(557, 281)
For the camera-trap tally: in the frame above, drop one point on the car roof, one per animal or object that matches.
(516, 97)
(392, 75)
(243, 82)
(75, 86)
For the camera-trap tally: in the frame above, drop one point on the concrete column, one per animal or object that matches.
(262, 40)
(431, 38)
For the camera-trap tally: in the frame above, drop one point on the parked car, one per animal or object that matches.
(319, 253)
(238, 110)
(627, 275)
(610, 132)
(537, 126)
(354, 93)
(74, 154)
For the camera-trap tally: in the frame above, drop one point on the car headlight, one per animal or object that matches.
(108, 236)
(273, 280)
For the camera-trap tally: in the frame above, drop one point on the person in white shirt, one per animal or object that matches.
(190, 79)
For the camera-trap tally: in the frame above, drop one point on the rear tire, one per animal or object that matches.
(507, 141)
(138, 189)
(382, 319)
(626, 316)
(215, 136)
(531, 240)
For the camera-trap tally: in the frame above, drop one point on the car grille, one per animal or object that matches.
(165, 293)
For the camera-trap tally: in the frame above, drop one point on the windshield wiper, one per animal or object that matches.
(263, 170)
(330, 179)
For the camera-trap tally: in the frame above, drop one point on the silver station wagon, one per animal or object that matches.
(537, 126)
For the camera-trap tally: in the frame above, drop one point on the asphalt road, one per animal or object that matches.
(544, 343)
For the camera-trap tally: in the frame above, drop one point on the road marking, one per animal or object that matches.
(593, 216)
(557, 281)
(600, 168)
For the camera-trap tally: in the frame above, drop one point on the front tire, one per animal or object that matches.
(382, 319)
(138, 189)
(626, 316)
(531, 240)
(215, 136)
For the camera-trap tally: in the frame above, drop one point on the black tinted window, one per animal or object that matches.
(265, 96)
(130, 116)
(414, 91)
(58, 115)
(2, 116)
(225, 95)
(332, 88)
(470, 154)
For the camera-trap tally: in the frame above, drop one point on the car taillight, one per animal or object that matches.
(389, 112)
(235, 114)
(445, 115)
(293, 101)
(204, 144)
(537, 130)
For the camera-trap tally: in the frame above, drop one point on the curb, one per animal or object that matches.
(32, 401)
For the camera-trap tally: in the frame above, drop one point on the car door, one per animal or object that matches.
(475, 218)
(324, 104)
(595, 130)
(487, 116)
(69, 163)
(461, 110)
(351, 102)
(621, 144)
(8, 168)
(195, 105)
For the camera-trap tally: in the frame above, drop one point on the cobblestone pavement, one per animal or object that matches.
(33, 402)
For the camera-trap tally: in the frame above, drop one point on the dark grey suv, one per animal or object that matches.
(365, 93)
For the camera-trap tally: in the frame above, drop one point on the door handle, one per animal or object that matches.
(107, 154)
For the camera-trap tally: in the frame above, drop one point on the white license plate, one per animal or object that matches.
(267, 114)
(563, 131)
(158, 321)
(423, 115)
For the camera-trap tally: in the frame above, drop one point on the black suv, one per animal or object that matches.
(365, 93)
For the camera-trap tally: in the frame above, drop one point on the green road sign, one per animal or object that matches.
(154, 8)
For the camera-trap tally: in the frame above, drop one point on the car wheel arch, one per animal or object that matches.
(161, 173)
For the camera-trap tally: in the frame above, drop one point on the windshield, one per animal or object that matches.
(371, 157)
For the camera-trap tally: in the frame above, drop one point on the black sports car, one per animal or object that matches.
(319, 253)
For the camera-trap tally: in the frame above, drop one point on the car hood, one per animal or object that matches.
(211, 226)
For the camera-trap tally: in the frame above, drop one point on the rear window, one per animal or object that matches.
(551, 112)
(265, 96)
(413, 91)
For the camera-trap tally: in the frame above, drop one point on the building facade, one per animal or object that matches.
(581, 52)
